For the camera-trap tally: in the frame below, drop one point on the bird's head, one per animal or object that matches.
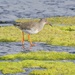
(45, 22)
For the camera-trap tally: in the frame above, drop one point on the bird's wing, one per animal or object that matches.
(27, 25)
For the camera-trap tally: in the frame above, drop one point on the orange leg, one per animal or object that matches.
(22, 39)
(31, 45)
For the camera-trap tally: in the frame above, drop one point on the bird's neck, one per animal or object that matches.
(41, 25)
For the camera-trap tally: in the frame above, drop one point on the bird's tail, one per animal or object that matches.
(7, 23)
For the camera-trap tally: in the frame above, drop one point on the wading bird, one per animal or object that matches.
(29, 27)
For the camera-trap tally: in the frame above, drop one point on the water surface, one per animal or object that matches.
(14, 9)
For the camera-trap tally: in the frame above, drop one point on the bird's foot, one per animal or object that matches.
(26, 48)
(31, 45)
(23, 46)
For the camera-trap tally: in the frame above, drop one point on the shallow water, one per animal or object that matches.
(14, 9)
(16, 47)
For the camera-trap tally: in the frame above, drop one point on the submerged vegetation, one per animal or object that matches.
(46, 61)
(61, 33)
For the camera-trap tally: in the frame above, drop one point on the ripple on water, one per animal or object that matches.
(36, 8)
(15, 47)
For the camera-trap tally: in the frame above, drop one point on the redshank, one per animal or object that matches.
(29, 27)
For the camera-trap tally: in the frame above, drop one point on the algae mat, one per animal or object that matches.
(36, 67)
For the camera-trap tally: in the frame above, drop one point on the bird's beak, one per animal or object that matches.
(49, 24)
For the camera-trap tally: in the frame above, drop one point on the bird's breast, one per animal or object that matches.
(31, 31)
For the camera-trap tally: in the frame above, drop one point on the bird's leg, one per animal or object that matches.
(22, 39)
(31, 44)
